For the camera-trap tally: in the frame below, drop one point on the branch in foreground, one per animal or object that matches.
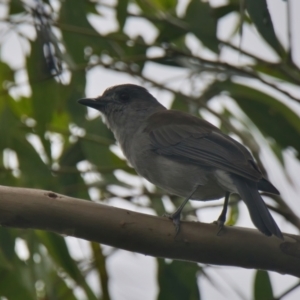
(150, 235)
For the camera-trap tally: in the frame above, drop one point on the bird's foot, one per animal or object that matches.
(176, 221)
(221, 226)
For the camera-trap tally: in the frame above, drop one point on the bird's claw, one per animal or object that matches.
(221, 226)
(176, 221)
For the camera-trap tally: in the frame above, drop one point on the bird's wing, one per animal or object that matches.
(183, 137)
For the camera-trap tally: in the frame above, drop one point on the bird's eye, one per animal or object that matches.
(124, 96)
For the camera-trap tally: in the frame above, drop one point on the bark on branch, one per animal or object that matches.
(150, 235)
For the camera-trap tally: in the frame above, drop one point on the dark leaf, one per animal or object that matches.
(221, 11)
(75, 91)
(77, 32)
(71, 183)
(262, 286)
(121, 10)
(259, 13)
(272, 117)
(180, 104)
(15, 7)
(199, 16)
(58, 250)
(9, 127)
(178, 280)
(34, 172)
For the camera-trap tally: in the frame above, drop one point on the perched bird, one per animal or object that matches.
(183, 154)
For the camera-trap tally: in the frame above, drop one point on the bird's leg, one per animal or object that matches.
(175, 217)
(222, 218)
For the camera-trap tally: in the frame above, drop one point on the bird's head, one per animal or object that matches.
(123, 98)
(124, 107)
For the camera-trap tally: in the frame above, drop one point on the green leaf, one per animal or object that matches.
(178, 280)
(71, 183)
(14, 272)
(46, 91)
(272, 117)
(275, 71)
(262, 286)
(74, 92)
(233, 212)
(221, 11)
(199, 16)
(165, 4)
(6, 76)
(95, 146)
(34, 172)
(180, 104)
(17, 278)
(9, 127)
(15, 7)
(21, 107)
(96, 128)
(58, 250)
(7, 243)
(101, 156)
(121, 10)
(259, 13)
(77, 31)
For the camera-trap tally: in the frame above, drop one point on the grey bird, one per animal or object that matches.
(183, 154)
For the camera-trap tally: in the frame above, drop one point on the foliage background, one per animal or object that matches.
(221, 60)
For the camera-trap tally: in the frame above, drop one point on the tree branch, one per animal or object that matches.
(150, 235)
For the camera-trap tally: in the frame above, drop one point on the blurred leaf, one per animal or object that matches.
(7, 243)
(169, 32)
(273, 118)
(155, 7)
(262, 286)
(199, 16)
(6, 77)
(221, 11)
(96, 145)
(21, 107)
(37, 67)
(9, 127)
(234, 211)
(259, 13)
(100, 266)
(45, 90)
(60, 121)
(15, 287)
(72, 183)
(277, 151)
(96, 128)
(78, 34)
(178, 280)
(165, 4)
(15, 277)
(101, 156)
(15, 7)
(121, 10)
(72, 155)
(157, 204)
(58, 250)
(180, 104)
(34, 172)
(273, 71)
(74, 92)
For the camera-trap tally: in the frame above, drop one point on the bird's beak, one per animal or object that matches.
(92, 102)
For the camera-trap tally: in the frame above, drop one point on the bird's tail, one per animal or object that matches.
(258, 210)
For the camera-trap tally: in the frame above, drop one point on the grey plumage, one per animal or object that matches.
(182, 153)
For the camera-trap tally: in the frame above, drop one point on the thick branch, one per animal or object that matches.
(150, 235)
